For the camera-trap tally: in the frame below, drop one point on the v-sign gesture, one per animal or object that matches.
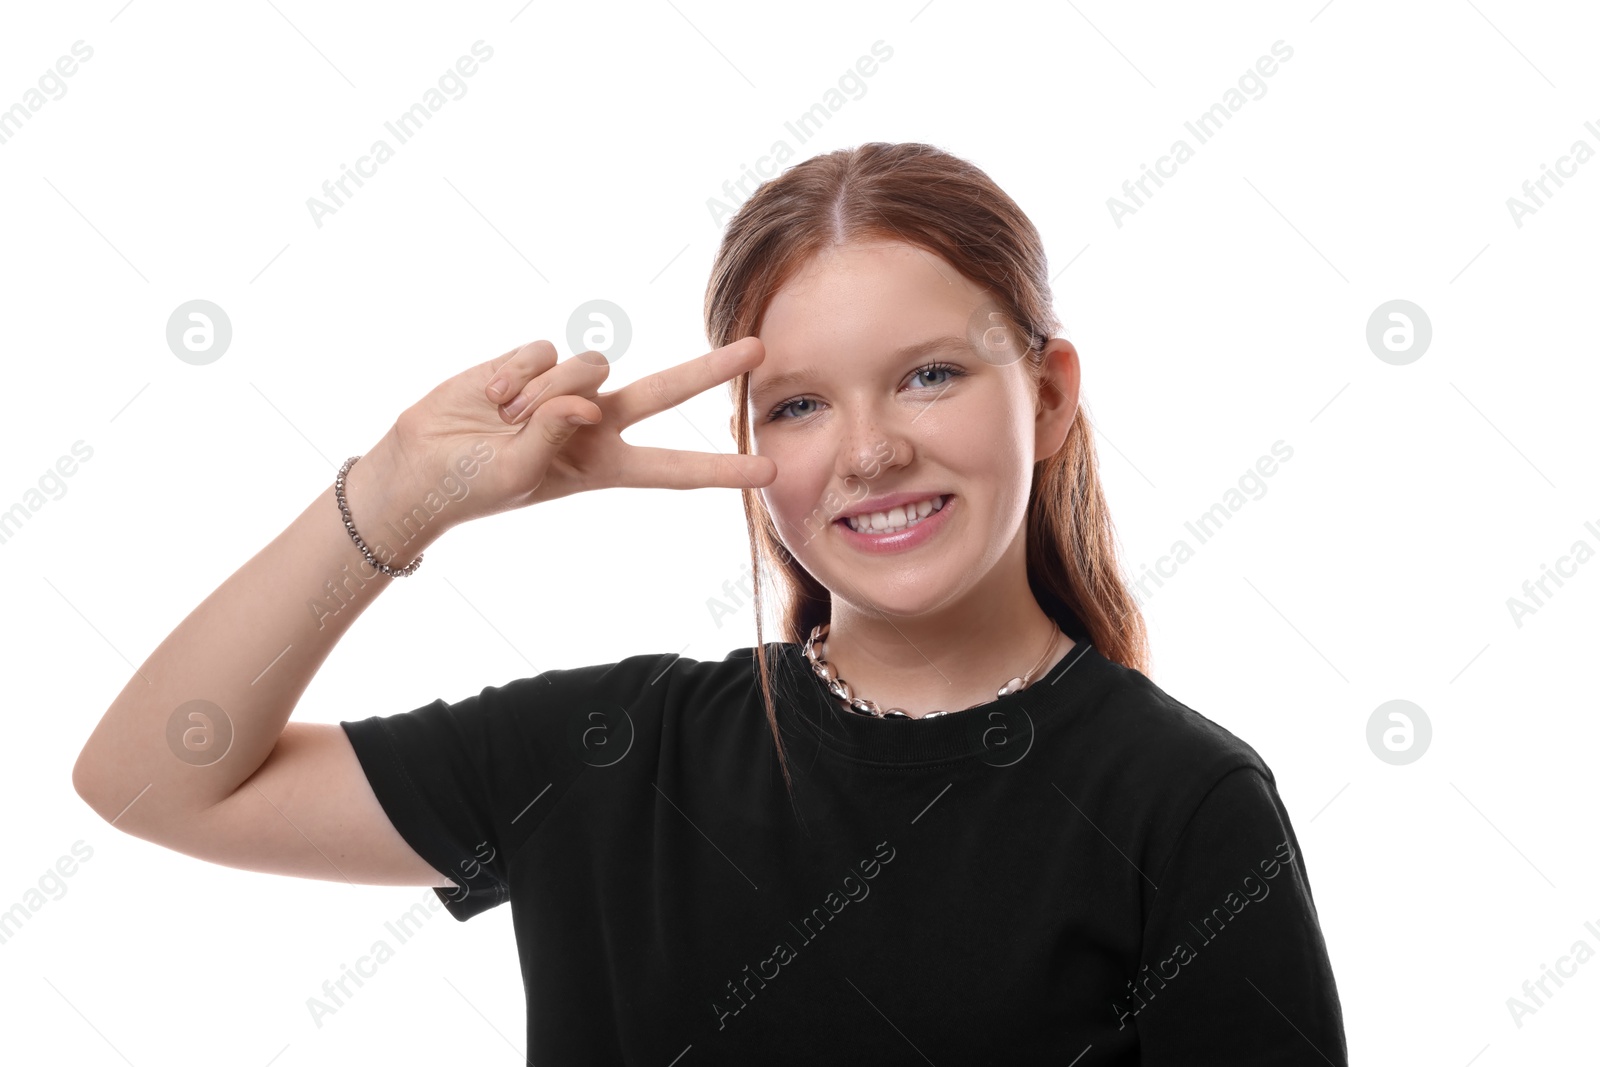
(519, 405)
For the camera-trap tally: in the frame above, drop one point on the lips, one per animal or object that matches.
(902, 539)
(897, 518)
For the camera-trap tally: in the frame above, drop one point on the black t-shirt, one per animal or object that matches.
(1086, 868)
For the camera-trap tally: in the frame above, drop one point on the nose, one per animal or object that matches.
(871, 441)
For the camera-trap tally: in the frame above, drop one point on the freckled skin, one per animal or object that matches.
(939, 626)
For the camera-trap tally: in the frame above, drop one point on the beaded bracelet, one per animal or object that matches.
(349, 525)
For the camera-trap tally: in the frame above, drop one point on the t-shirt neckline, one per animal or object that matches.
(999, 731)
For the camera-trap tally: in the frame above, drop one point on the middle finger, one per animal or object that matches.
(668, 388)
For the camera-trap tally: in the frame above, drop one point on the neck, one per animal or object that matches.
(947, 660)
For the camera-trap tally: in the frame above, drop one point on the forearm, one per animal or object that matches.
(207, 707)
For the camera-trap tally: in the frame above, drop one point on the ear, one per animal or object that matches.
(1057, 402)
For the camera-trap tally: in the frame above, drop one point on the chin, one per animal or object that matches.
(895, 600)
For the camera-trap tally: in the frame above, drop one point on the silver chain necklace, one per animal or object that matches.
(862, 706)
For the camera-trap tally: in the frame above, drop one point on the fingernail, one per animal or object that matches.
(497, 387)
(515, 406)
(579, 420)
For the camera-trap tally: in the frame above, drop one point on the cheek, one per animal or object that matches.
(1001, 435)
(795, 495)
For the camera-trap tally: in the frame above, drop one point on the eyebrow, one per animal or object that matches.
(788, 379)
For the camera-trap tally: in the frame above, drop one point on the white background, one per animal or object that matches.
(1227, 313)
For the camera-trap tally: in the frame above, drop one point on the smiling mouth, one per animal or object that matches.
(895, 519)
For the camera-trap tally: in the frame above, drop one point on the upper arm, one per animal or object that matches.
(1232, 948)
(308, 811)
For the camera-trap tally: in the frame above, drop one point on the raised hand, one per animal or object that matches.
(538, 455)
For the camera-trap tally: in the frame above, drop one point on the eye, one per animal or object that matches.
(930, 369)
(939, 368)
(779, 411)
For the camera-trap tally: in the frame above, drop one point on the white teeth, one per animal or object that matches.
(896, 518)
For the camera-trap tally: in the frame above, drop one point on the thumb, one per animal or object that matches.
(552, 418)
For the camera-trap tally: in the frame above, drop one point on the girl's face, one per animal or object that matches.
(896, 383)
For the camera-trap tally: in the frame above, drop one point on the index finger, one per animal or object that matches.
(668, 388)
(643, 467)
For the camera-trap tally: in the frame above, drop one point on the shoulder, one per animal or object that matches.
(663, 679)
(1151, 764)
(1152, 740)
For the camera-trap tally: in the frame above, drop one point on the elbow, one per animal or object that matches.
(89, 785)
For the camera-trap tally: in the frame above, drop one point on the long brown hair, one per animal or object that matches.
(923, 196)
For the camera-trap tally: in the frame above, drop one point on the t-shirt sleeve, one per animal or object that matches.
(465, 782)
(1233, 967)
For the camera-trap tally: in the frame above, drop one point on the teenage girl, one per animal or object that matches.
(946, 817)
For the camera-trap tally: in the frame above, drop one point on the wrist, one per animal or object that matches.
(386, 508)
